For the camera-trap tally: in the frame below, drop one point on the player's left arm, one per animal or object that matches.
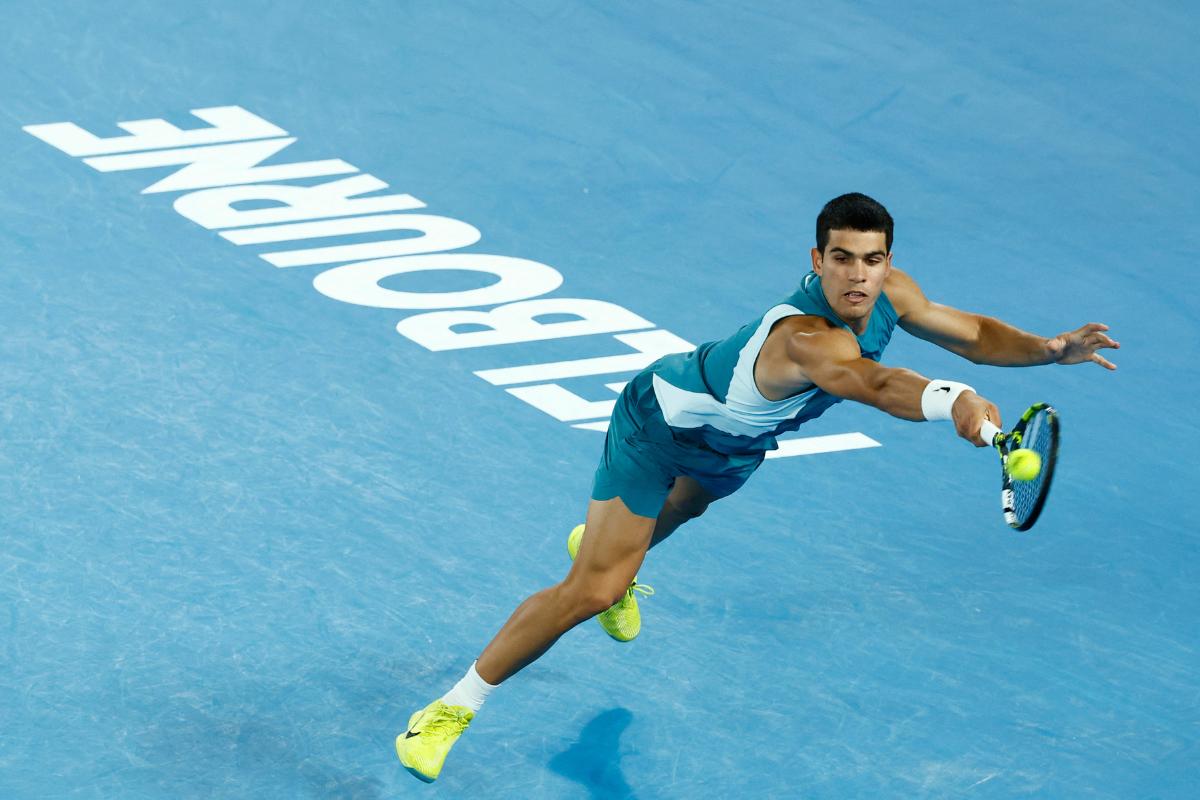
(987, 340)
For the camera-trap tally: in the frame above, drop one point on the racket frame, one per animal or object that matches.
(1005, 443)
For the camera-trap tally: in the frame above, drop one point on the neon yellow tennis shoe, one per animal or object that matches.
(431, 733)
(622, 621)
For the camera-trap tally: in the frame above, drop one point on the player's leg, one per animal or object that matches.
(603, 570)
(682, 498)
(628, 490)
(607, 561)
(687, 500)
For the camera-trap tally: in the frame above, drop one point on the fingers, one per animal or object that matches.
(969, 412)
(1082, 344)
(992, 414)
(1091, 327)
(972, 423)
(1097, 341)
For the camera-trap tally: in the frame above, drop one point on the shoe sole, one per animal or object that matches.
(411, 770)
(419, 776)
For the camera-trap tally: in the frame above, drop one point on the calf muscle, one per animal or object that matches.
(608, 558)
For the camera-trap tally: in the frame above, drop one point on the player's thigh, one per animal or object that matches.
(613, 546)
(689, 498)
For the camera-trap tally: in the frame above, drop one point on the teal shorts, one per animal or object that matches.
(643, 455)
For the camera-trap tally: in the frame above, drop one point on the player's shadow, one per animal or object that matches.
(594, 760)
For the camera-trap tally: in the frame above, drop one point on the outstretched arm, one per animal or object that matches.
(987, 340)
(831, 360)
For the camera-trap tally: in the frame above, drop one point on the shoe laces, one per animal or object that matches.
(641, 588)
(447, 721)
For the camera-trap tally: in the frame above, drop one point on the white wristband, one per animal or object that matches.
(938, 398)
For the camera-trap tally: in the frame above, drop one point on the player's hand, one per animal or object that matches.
(969, 412)
(1078, 346)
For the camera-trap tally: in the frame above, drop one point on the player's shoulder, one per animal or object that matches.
(808, 323)
(813, 337)
(903, 292)
(810, 326)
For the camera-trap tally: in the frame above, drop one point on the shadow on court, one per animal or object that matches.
(594, 760)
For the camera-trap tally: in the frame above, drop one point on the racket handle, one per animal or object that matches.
(988, 432)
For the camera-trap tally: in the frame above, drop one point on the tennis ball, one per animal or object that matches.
(1023, 464)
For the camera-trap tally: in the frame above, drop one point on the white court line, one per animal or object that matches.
(809, 445)
(801, 446)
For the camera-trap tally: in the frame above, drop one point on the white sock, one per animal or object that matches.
(471, 691)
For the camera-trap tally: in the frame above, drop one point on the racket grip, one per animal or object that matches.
(988, 432)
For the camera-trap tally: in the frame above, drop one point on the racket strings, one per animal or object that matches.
(1038, 438)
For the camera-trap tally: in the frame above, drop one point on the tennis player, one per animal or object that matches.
(692, 427)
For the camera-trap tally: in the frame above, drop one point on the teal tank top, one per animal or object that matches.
(709, 396)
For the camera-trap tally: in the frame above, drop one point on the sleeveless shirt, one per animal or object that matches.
(709, 396)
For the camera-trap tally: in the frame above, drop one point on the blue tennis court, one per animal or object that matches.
(257, 506)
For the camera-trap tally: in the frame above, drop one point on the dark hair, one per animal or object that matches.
(855, 211)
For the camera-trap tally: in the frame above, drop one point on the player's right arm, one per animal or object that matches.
(831, 359)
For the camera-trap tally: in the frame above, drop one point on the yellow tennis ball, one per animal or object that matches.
(1023, 464)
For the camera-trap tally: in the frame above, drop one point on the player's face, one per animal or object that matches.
(853, 268)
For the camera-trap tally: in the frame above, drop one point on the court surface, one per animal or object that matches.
(246, 529)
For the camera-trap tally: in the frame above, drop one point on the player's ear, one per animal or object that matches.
(816, 260)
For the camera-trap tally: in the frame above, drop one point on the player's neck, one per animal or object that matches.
(858, 326)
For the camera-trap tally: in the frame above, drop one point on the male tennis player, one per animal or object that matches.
(691, 428)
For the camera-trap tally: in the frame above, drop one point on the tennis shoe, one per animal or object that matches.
(623, 621)
(431, 733)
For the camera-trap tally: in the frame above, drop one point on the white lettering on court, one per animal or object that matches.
(221, 165)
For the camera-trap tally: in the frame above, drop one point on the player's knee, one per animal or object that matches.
(590, 598)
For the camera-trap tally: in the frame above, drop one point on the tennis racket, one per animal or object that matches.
(1037, 430)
